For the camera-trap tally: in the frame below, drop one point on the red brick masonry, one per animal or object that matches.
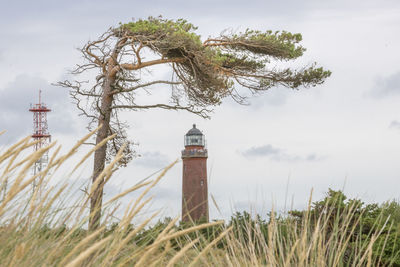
(194, 184)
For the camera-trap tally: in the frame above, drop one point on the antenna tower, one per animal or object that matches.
(41, 133)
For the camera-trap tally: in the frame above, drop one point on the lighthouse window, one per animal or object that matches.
(194, 140)
(201, 182)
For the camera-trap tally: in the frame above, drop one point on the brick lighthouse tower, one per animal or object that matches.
(194, 179)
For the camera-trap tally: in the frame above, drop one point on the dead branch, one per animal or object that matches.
(144, 85)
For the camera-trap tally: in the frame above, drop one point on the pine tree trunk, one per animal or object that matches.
(100, 154)
(107, 98)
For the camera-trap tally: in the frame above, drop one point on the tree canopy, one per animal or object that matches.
(203, 72)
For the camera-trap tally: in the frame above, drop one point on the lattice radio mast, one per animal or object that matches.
(41, 133)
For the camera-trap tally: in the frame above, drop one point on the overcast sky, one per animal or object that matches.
(343, 134)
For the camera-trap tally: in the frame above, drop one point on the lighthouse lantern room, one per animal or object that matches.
(194, 178)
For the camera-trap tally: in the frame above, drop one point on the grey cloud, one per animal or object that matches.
(261, 151)
(53, 10)
(111, 190)
(387, 86)
(277, 154)
(161, 196)
(75, 11)
(16, 98)
(160, 192)
(395, 124)
(273, 97)
(313, 157)
(152, 159)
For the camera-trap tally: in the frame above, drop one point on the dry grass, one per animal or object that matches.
(42, 227)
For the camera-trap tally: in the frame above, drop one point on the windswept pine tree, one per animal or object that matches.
(203, 73)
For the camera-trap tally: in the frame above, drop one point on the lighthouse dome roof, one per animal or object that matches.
(194, 131)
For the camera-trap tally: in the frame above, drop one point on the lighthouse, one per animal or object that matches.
(194, 178)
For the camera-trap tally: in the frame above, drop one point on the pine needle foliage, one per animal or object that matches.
(210, 69)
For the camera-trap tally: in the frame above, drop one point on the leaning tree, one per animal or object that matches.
(203, 72)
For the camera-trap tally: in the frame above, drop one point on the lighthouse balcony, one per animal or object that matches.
(194, 153)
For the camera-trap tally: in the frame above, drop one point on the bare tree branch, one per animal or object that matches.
(144, 64)
(144, 85)
(203, 112)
